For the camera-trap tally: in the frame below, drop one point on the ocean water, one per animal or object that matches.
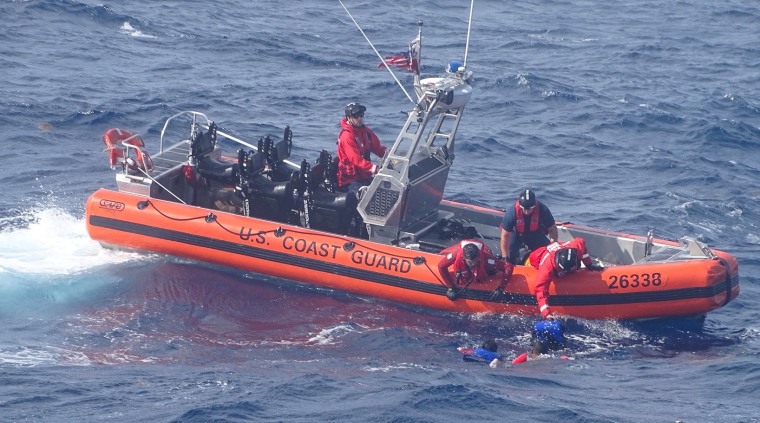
(628, 116)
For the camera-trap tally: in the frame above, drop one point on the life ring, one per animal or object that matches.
(144, 161)
(119, 143)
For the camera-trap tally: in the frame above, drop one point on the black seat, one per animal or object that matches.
(324, 173)
(224, 172)
(333, 211)
(270, 200)
(203, 143)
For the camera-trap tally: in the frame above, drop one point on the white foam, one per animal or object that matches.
(30, 357)
(127, 28)
(54, 243)
(392, 367)
(328, 335)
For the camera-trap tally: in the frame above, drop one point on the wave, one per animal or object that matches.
(727, 133)
(76, 10)
(128, 29)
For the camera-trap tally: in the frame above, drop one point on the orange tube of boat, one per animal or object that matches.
(362, 267)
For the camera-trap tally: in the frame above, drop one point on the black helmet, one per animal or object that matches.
(354, 109)
(527, 199)
(471, 251)
(566, 259)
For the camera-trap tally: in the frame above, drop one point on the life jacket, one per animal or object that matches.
(480, 355)
(520, 219)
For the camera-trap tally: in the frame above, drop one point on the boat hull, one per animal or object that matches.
(365, 268)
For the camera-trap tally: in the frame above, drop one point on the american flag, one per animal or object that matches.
(400, 60)
(409, 60)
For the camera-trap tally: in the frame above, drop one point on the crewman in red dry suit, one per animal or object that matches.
(554, 261)
(473, 261)
(355, 143)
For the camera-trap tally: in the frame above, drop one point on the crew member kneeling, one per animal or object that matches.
(472, 262)
(554, 261)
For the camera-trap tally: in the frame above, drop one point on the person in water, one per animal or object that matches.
(487, 353)
(547, 336)
(555, 261)
(355, 143)
(472, 261)
(526, 223)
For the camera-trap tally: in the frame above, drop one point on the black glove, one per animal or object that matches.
(595, 267)
(497, 293)
(451, 294)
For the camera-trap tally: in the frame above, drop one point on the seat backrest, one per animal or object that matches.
(203, 143)
(324, 173)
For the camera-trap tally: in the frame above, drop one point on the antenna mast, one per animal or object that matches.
(377, 53)
(469, 25)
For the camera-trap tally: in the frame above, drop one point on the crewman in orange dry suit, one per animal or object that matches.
(554, 261)
(472, 262)
(355, 143)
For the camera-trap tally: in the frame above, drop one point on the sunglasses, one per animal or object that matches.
(525, 209)
(360, 114)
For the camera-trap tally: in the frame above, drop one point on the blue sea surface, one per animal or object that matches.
(627, 116)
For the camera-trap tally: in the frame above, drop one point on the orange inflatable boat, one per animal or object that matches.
(674, 282)
(216, 198)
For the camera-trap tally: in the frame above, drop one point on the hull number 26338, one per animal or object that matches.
(634, 280)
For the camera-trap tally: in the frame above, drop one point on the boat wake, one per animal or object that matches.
(47, 260)
(41, 356)
(52, 242)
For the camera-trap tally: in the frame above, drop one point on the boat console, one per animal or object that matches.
(402, 202)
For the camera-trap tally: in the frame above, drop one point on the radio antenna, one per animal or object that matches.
(378, 54)
(469, 25)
